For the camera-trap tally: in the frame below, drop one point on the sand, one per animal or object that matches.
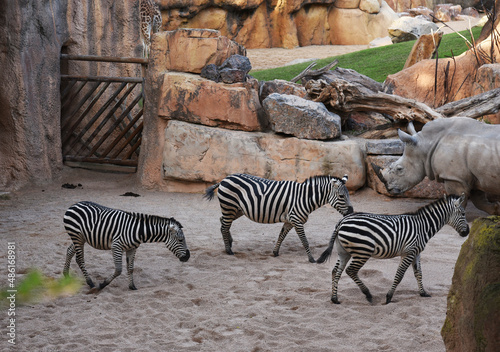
(251, 301)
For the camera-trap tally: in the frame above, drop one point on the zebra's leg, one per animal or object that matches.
(130, 255)
(284, 231)
(80, 260)
(299, 228)
(226, 221)
(353, 270)
(342, 261)
(417, 270)
(117, 256)
(403, 266)
(69, 255)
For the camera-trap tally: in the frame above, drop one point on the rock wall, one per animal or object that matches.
(473, 314)
(32, 36)
(287, 24)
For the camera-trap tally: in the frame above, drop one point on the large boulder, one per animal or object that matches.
(353, 26)
(410, 28)
(280, 86)
(300, 117)
(200, 155)
(192, 98)
(189, 50)
(473, 314)
(424, 48)
(488, 78)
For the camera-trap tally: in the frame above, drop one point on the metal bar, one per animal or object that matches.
(117, 121)
(125, 60)
(98, 114)
(84, 113)
(105, 120)
(127, 162)
(101, 79)
(126, 129)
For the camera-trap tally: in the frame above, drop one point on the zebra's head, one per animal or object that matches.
(176, 242)
(457, 218)
(338, 197)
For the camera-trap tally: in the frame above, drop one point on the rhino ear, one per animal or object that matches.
(411, 128)
(406, 138)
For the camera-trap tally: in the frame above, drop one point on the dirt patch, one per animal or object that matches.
(251, 301)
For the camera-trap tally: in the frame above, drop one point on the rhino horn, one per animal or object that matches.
(406, 138)
(378, 171)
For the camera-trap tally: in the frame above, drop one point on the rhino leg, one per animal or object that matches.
(482, 203)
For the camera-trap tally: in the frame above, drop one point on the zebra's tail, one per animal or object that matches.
(209, 193)
(328, 252)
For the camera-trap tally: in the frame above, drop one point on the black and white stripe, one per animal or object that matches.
(118, 231)
(266, 201)
(361, 235)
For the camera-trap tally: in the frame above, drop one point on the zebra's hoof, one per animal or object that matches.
(276, 254)
(388, 300)
(311, 260)
(132, 287)
(369, 298)
(93, 290)
(335, 300)
(425, 294)
(230, 252)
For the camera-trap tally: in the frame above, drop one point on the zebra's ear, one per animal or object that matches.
(461, 199)
(344, 179)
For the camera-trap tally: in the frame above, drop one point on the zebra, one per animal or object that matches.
(266, 201)
(362, 235)
(118, 231)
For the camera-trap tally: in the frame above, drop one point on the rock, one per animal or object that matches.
(191, 98)
(190, 50)
(282, 87)
(410, 28)
(473, 311)
(370, 6)
(384, 147)
(301, 118)
(470, 11)
(235, 69)
(488, 78)
(33, 36)
(368, 26)
(422, 11)
(201, 154)
(347, 4)
(447, 12)
(211, 72)
(380, 42)
(361, 121)
(417, 81)
(425, 189)
(424, 48)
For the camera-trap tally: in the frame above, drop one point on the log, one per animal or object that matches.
(346, 96)
(477, 106)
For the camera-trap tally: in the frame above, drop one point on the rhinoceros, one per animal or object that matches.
(461, 152)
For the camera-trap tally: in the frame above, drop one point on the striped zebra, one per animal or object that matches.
(118, 231)
(267, 202)
(361, 235)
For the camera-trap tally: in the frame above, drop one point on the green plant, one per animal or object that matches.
(376, 63)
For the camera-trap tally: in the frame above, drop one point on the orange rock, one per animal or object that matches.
(191, 98)
(424, 48)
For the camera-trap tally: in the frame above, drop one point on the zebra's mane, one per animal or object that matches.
(434, 204)
(315, 179)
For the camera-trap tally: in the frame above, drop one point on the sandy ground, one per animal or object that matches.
(251, 301)
(277, 57)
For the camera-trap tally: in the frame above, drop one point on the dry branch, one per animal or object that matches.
(346, 96)
(479, 105)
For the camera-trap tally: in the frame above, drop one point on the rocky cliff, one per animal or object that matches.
(473, 316)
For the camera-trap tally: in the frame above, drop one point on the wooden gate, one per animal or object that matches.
(101, 117)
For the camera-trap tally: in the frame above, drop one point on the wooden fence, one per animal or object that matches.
(101, 117)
